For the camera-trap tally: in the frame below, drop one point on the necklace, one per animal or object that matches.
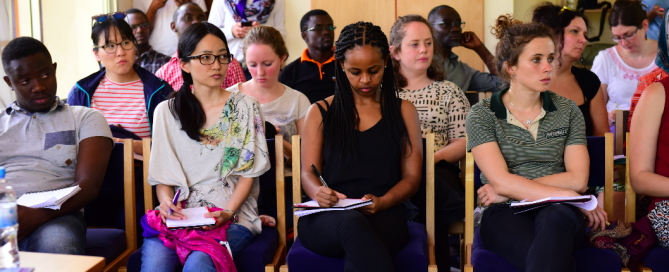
(529, 121)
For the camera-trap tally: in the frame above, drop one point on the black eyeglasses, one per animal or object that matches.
(208, 59)
(450, 25)
(320, 28)
(111, 48)
(140, 26)
(104, 17)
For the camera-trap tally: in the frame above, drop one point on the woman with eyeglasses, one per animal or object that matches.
(282, 106)
(620, 67)
(125, 93)
(209, 143)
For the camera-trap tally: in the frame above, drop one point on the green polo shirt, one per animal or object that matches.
(562, 125)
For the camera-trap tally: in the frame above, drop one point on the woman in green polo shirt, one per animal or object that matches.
(530, 144)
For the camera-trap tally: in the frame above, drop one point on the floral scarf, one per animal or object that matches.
(257, 10)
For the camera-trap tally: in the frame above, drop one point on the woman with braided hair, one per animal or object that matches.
(367, 142)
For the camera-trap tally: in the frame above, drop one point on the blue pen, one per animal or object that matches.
(176, 197)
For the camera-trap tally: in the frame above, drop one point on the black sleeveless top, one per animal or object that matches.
(377, 168)
(589, 83)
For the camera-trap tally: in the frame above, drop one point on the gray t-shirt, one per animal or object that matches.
(39, 150)
(285, 111)
(470, 79)
(207, 171)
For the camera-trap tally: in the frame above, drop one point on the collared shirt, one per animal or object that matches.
(314, 79)
(534, 124)
(171, 72)
(526, 156)
(470, 79)
(39, 150)
(152, 60)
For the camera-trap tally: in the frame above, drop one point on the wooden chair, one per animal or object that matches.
(630, 201)
(621, 128)
(247, 259)
(105, 242)
(583, 257)
(298, 252)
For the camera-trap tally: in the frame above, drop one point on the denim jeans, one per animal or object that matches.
(157, 257)
(63, 235)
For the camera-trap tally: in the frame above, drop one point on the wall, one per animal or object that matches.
(295, 9)
(69, 39)
(6, 95)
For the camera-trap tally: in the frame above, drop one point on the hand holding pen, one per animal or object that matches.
(325, 196)
(170, 208)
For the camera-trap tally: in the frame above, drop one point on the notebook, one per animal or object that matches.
(311, 207)
(586, 202)
(48, 199)
(195, 219)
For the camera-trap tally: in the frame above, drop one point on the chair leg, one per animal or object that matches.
(284, 268)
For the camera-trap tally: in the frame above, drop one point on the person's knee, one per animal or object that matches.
(62, 236)
(200, 262)
(351, 219)
(560, 215)
(158, 257)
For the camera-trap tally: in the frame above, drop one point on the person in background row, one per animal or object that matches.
(232, 16)
(313, 73)
(530, 144)
(619, 68)
(125, 93)
(159, 14)
(184, 16)
(49, 145)
(442, 109)
(655, 12)
(284, 107)
(577, 84)
(448, 31)
(146, 57)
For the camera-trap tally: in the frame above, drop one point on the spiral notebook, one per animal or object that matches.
(311, 207)
(48, 199)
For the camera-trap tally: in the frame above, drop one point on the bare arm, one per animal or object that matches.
(153, 8)
(453, 152)
(92, 161)
(491, 162)
(471, 41)
(577, 163)
(600, 124)
(643, 143)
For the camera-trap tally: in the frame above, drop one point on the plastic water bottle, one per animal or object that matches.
(9, 226)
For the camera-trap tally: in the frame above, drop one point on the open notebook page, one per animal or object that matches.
(195, 218)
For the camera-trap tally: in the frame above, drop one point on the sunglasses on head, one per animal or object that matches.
(100, 18)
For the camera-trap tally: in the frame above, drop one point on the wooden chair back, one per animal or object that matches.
(621, 128)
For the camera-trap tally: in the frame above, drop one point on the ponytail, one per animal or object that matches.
(187, 109)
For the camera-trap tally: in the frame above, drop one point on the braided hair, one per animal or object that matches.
(341, 121)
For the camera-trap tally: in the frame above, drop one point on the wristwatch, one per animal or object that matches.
(234, 218)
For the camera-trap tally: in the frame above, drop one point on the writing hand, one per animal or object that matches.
(165, 207)
(327, 197)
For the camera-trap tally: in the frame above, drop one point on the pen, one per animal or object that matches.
(176, 197)
(319, 175)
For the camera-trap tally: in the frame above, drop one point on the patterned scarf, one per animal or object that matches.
(258, 10)
(606, 239)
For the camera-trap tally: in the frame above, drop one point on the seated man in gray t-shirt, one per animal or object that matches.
(45, 144)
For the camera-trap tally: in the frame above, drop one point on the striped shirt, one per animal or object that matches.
(561, 126)
(123, 104)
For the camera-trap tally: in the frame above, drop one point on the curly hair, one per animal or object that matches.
(513, 36)
(556, 18)
(397, 33)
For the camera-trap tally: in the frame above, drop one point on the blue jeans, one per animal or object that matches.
(63, 235)
(157, 257)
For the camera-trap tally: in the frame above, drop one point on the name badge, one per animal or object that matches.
(556, 133)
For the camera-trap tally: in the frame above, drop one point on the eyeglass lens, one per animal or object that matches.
(112, 47)
(210, 59)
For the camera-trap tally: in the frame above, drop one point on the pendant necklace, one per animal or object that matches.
(529, 121)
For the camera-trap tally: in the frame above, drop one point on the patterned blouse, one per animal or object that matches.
(442, 110)
(207, 171)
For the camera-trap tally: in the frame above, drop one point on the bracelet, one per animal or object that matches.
(234, 218)
(230, 211)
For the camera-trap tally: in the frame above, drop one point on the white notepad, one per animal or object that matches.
(586, 202)
(312, 207)
(195, 219)
(48, 199)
